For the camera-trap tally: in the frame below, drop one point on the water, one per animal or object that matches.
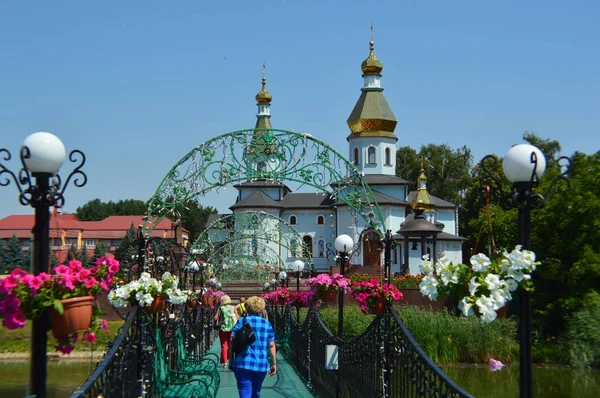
(63, 378)
(548, 381)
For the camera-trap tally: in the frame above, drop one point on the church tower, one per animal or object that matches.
(372, 140)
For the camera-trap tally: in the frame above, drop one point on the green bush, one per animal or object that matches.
(445, 337)
(583, 333)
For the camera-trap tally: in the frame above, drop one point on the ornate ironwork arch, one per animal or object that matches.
(270, 154)
(242, 250)
(247, 225)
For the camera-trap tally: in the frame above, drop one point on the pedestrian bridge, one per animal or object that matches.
(385, 361)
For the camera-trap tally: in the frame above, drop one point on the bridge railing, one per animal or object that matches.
(127, 367)
(384, 361)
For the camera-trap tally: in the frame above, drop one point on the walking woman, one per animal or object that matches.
(225, 316)
(251, 365)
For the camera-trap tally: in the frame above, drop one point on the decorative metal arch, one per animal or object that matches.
(271, 154)
(242, 250)
(247, 225)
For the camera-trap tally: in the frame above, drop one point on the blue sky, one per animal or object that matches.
(137, 84)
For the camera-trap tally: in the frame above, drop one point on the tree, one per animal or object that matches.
(53, 260)
(84, 257)
(447, 170)
(128, 249)
(194, 217)
(72, 254)
(13, 256)
(96, 210)
(2, 249)
(99, 252)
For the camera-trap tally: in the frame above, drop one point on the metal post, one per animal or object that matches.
(388, 255)
(525, 382)
(298, 292)
(343, 259)
(41, 259)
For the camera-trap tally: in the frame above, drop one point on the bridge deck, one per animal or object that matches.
(286, 383)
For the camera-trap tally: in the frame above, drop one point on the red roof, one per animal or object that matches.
(113, 227)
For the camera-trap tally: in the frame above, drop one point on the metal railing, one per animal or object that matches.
(384, 361)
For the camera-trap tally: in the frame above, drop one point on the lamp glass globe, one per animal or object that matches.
(517, 164)
(343, 243)
(298, 265)
(46, 153)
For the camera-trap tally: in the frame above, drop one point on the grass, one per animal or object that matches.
(19, 340)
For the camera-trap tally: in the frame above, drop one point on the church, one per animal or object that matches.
(420, 223)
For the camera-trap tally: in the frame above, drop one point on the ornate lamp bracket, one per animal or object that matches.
(32, 194)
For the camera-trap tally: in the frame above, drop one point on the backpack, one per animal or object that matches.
(243, 311)
(243, 337)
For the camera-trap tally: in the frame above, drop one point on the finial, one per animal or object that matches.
(372, 42)
(264, 79)
(263, 97)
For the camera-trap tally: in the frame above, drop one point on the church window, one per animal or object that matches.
(321, 245)
(320, 220)
(371, 159)
(355, 156)
(293, 220)
(307, 246)
(388, 156)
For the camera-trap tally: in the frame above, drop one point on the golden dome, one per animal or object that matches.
(372, 65)
(263, 96)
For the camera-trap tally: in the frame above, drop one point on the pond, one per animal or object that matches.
(63, 378)
(548, 381)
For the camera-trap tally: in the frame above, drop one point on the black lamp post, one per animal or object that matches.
(342, 244)
(42, 154)
(298, 267)
(523, 166)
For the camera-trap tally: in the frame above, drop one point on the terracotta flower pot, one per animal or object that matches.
(328, 295)
(76, 317)
(379, 306)
(158, 305)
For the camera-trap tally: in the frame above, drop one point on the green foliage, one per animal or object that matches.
(53, 260)
(96, 210)
(194, 217)
(13, 256)
(19, 340)
(445, 337)
(99, 252)
(73, 253)
(583, 333)
(128, 248)
(447, 170)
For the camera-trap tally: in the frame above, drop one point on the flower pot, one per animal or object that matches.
(379, 306)
(158, 304)
(328, 295)
(76, 317)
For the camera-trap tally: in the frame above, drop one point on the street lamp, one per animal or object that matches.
(343, 244)
(282, 278)
(523, 166)
(42, 154)
(298, 267)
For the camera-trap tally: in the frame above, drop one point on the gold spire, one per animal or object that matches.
(263, 96)
(423, 200)
(371, 65)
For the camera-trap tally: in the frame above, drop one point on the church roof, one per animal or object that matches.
(437, 201)
(384, 179)
(372, 117)
(306, 201)
(441, 236)
(257, 200)
(381, 199)
(262, 183)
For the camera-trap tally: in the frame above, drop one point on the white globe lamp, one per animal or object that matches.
(518, 164)
(46, 153)
(343, 243)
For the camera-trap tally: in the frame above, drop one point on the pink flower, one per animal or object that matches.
(14, 320)
(105, 326)
(61, 270)
(75, 337)
(9, 304)
(495, 365)
(113, 268)
(65, 349)
(91, 337)
(90, 282)
(75, 265)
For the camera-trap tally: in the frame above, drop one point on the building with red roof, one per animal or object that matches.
(67, 230)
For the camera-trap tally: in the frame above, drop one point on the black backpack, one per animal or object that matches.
(243, 337)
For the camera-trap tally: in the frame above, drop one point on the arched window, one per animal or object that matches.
(371, 158)
(355, 156)
(307, 246)
(321, 247)
(320, 220)
(293, 220)
(388, 156)
(293, 247)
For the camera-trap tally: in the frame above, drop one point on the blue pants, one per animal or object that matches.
(249, 382)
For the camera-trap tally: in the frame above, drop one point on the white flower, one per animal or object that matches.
(486, 307)
(466, 307)
(492, 281)
(428, 287)
(426, 267)
(473, 285)
(515, 274)
(448, 276)
(511, 284)
(480, 262)
(499, 298)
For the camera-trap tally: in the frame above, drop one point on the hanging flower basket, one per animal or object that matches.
(328, 295)
(76, 316)
(158, 305)
(379, 306)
